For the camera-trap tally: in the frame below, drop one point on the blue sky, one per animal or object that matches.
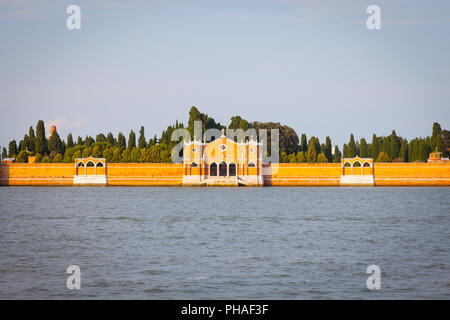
(309, 64)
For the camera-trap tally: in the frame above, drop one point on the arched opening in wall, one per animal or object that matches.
(194, 165)
(222, 169)
(213, 169)
(251, 165)
(90, 168)
(79, 166)
(100, 164)
(366, 167)
(232, 169)
(346, 168)
(356, 170)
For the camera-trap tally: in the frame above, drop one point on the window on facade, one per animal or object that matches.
(232, 169)
(222, 169)
(251, 165)
(194, 165)
(213, 169)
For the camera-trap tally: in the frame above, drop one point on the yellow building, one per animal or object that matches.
(222, 162)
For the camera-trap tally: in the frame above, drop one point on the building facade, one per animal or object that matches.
(222, 162)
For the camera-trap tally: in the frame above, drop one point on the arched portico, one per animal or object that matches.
(90, 171)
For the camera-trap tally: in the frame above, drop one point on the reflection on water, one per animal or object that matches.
(206, 243)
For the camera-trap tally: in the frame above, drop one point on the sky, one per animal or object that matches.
(309, 64)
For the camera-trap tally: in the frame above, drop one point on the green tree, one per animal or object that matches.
(363, 149)
(38, 158)
(4, 153)
(301, 157)
(404, 151)
(383, 157)
(328, 147)
(337, 155)
(70, 143)
(80, 141)
(55, 145)
(110, 139)
(41, 140)
(345, 151)
(121, 142)
(58, 158)
(394, 146)
(142, 143)
(304, 143)
(22, 157)
(375, 147)
(322, 158)
(12, 147)
(351, 147)
(100, 138)
(31, 141)
(131, 140)
(311, 155)
(135, 156)
(46, 159)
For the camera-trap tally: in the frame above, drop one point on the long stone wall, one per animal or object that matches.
(284, 174)
(412, 174)
(37, 174)
(302, 174)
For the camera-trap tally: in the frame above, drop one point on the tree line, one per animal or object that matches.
(293, 149)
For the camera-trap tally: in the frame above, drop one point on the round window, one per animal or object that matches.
(194, 150)
(223, 147)
(251, 149)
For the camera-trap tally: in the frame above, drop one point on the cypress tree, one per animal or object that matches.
(436, 130)
(345, 151)
(12, 149)
(41, 140)
(311, 155)
(4, 153)
(304, 143)
(55, 144)
(70, 143)
(404, 151)
(131, 140)
(79, 141)
(337, 155)
(142, 143)
(110, 139)
(363, 149)
(328, 152)
(31, 140)
(351, 147)
(375, 147)
(393, 148)
(121, 142)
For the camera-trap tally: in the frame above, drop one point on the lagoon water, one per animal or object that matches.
(224, 243)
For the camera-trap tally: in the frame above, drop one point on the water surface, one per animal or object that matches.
(224, 243)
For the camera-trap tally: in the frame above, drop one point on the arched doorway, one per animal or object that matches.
(213, 169)
(232, 170)
(222, 169)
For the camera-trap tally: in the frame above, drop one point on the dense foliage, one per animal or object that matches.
(390, 148)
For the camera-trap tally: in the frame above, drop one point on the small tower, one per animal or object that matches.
(52, 130)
